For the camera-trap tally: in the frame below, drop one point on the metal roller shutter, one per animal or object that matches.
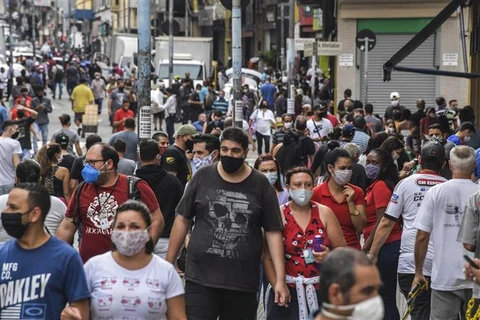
(410, 86)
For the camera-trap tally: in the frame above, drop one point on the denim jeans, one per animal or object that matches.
(58, 84)
(26, 154)
(260, 139)
(43, 129)
(387, 265)
(99, 103)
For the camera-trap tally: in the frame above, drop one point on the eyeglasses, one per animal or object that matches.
(91, 162)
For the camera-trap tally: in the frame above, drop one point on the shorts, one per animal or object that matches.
(78, 116)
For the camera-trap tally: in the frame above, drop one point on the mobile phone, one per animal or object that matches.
(470, 262)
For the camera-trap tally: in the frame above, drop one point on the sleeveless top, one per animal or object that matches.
(295, 240)
(53, 184)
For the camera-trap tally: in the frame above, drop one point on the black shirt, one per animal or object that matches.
(214, 124)
(417, 116)
(175, 160)
(226, 244)
(67, 161)
(168, 190)
(24, 132)
(77, 167)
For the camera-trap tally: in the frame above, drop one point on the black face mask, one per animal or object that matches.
(20, 113)
(12, 222)
(189, 144)
(15, 135)
(231, 164)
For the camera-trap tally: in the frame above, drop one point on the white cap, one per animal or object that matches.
(394, 95)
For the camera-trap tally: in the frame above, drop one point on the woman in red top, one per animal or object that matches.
(344, 199)
(381, 170)
(303, 219)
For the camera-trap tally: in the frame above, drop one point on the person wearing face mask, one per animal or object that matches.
(98, 87)
(146, 282)
(264, 119)
(430, 119)
(167, 188)
(395, 148)
(394, 107)
(382, 173)
(344, 199)
(103, 191)
(463, 134)
(174, 159)
(25, 129)
(349, 287)
(10, 152)
(405, 202)
(35, 257)
(116, 99)
(162, 139)
(54, 178)
(278, 135)
(216, 125)
(43, 106)
(267, 165)
(319, 126)
(220, 104)
(231, 204)
(303, 221)
(206, 149)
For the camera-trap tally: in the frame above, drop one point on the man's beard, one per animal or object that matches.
(103, 177)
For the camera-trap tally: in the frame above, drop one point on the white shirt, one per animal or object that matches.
(170, 106)
(319, 129)
(120, 293)
(264, 120)
(8, 147)
(52, 221)
(156, 97)
(441, 215)
(406, 200)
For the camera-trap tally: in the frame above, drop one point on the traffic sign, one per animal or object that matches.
(329, 48)
(362, 36)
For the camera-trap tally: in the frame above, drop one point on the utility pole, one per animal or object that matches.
(128, 16)
(10, 38)
(282, 37)
(170, 43)
(144, 71)
(186, 19)
(291, 36)
(34, 35)
(237, 62)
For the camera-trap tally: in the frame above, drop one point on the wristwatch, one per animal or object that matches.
(355, 213)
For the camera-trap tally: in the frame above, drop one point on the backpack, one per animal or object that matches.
(59, 75)
(290, 154)
(133, 194)
(36, 79)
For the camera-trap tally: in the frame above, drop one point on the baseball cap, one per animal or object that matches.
(62, 139)
(348, 129)
(394, 95)
(186, 130)
(319, 106)
(433, 152)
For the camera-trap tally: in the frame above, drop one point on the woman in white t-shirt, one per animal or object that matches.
(130, 281)
(264, 119)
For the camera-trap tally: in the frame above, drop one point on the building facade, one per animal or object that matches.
(395, 23)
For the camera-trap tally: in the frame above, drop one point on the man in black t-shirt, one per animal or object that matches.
(231, 204)
(217, 124)
(174, 159)
(24, 124)
(67, 159)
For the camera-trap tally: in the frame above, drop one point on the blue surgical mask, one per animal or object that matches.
(271, 176)
(90, 174)
(301, 196)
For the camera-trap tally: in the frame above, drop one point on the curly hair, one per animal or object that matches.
(45, 156)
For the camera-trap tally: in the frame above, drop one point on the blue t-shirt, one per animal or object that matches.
(454, 139)
(268, 91)
(37, 283)
(203, 93)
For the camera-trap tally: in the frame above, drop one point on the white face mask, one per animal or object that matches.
(371, 309)
(395, 156)
(394, 103)
(467, 139)
(287, 125)
(271, 176)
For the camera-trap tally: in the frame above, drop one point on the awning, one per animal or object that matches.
(84, 14)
